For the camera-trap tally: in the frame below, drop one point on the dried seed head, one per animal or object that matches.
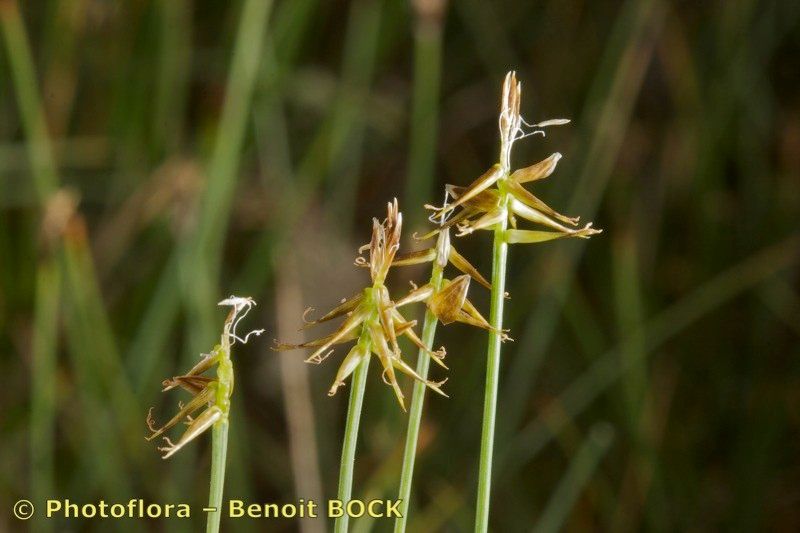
(384, 243)
(210, 394)
(509, 120)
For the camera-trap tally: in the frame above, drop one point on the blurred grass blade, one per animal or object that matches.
(656, 331)
(297, 394)
(40, 152)
(201, 262)
(45, 179)
(580, 471)
(424, 106)
(98, 353)
(618, 82)
(43, 385)
(345, 140)
(174, 62)
(194, 264)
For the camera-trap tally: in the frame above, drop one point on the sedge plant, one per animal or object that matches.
(494, 202)
(212, 395)
(446, 302)
(375, 322)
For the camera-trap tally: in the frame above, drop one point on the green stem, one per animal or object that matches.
(219, 452)
(219, 434)
(31, 111)
(345, 492)
(499, 255)
(415, 411)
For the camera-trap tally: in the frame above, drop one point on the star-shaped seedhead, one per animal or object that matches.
(499, 193)
(450, 304)
(213, 394)
(449, 301)
(371, 319)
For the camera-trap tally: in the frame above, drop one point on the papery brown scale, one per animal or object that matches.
(347, 327)
(348, 366)
(198, 401)
(191, 384)
(534, 215)
(485, 222)
(329, 340)
(200, 424)
(525, 197)
(345, 307)
(447, 302)
(537, 171)
(417, 295)
(415, 258)
(206, 363)
(381, 348)
(483, 201)
(486, 180)
(461, 263)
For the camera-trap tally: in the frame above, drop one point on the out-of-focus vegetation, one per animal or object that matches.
(157, 156)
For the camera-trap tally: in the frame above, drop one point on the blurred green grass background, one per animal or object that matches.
(159, 155)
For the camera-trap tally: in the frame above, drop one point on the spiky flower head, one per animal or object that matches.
(498, 193)
(370, 317)
(212, 394)
(384, 244)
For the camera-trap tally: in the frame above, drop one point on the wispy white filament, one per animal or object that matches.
(239, 303)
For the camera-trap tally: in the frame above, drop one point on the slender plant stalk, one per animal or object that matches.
(219, 453)
(345, 492)
(415, 411)
(424, 122)
(499, 256)
(219, 437)
(215, 395)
